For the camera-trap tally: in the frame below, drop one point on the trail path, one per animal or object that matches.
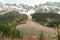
(34, 27)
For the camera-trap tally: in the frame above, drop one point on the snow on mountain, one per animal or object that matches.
(49, 7)
(25, 9)
(22, 8)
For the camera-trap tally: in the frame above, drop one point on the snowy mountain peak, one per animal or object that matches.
(49, 7)
(25, 9)
(22, 8)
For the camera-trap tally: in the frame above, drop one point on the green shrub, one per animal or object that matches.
(10, 31)
(50, 19)
(9, 21)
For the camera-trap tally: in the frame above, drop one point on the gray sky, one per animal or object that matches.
(28, 2)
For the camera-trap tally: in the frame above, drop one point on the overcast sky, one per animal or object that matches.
(28, 2)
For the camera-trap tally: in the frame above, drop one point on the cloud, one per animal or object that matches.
(29, 2)
(54, 0)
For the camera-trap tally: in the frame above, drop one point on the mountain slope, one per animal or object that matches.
(25, 9)
(49, 7)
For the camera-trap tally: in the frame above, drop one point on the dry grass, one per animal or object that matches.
(25, 38)
(32, 24)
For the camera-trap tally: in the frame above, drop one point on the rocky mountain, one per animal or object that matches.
(13, 18)
(23, 8)
(18, 7)
(49, 7)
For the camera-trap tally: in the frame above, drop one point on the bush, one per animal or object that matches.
(10, 31)
(9, 21)
(12, 17)
(47, 19)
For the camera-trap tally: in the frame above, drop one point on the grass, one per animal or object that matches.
(8, 23)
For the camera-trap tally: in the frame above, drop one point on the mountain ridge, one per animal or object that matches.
(25, 9)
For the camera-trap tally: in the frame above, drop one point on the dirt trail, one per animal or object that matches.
(31, 25)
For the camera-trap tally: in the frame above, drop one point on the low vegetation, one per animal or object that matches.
(47, 19)
(10, 20)
(8, 23)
